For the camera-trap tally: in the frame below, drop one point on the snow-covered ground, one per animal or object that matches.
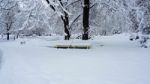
(111, 60)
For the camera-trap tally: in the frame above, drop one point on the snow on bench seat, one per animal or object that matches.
(73, 45)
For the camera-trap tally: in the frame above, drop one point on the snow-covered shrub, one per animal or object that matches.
(145, 37)
(134, 37)
(146, 30)
(11, 37)
(23, 42)
(38, 31)
(116, 31)
(143, 41)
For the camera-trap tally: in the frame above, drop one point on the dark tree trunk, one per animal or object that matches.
(66, 27)
(7, 35)
(17, 35)
(86, 10)
(65, 20)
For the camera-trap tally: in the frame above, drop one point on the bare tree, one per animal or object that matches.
(65, 16)
(8, 14)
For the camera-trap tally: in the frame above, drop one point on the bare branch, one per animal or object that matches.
(72, 3)
(10, 7)
(93, 5)
(75, 20)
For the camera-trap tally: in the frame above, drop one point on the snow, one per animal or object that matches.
(112, 60)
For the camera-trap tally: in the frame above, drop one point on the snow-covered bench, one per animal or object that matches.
(73, 45)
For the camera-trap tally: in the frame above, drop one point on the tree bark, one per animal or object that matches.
(65, 20)
(66, 27)
(7, 35)
(86, 10)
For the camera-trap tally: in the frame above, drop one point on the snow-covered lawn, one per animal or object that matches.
(111, 60)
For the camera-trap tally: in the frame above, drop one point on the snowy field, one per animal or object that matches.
(111, 60)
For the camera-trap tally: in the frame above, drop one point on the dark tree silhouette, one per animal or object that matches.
(86, 9)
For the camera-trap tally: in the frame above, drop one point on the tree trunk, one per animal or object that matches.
(86, 10)
(7, 35)
(65, 20)
(66, 26)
